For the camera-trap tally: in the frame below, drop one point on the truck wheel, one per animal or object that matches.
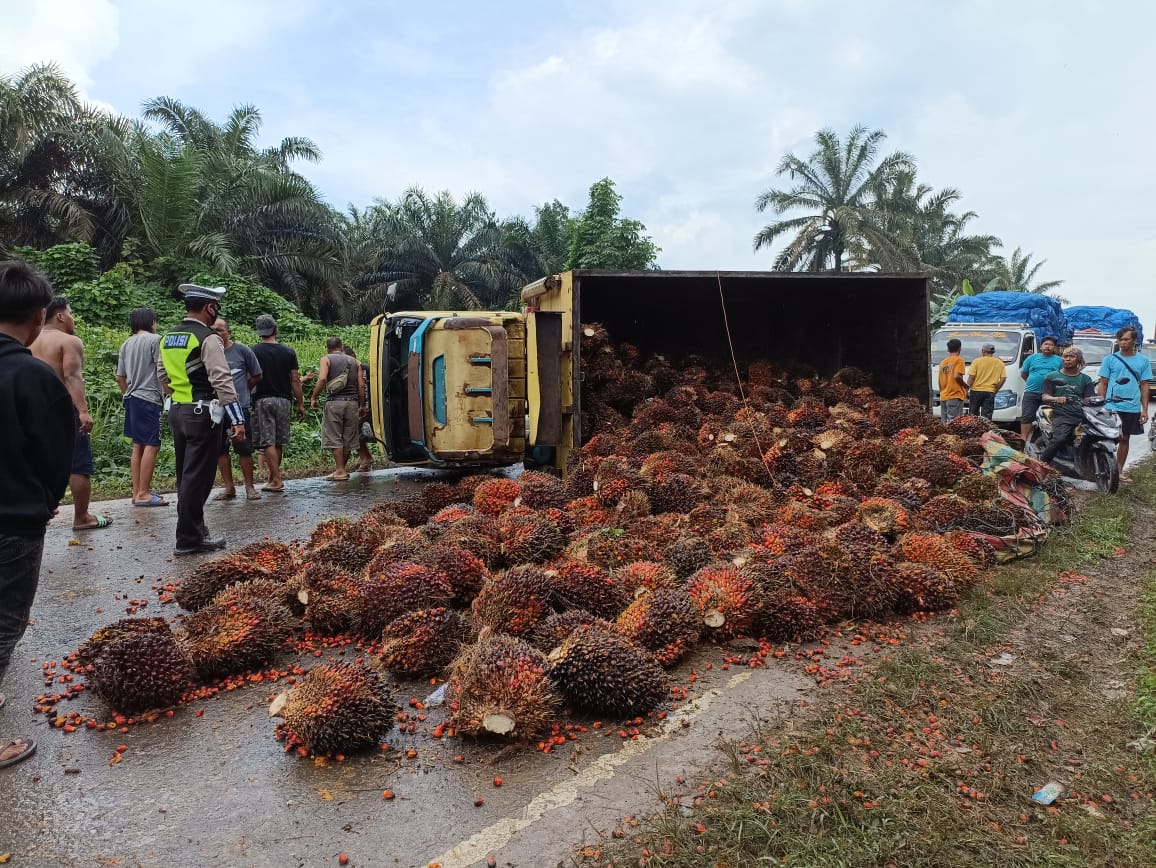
(1107, 472)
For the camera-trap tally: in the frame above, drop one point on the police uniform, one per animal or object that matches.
(193, 365)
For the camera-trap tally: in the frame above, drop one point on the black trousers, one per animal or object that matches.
(19, 575)
(1063, 430)
(198, 443)
(981, 403)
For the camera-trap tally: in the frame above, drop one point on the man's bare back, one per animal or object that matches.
(65, 354)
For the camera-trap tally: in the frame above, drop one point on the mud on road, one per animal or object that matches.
(211, 785)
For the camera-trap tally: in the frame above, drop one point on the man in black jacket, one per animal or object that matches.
(36, 442)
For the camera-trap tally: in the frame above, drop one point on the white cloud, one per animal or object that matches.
(75, 34)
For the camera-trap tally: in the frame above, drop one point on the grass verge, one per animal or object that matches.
(931, 756)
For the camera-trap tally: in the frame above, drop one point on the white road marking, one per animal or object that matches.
(494, 837)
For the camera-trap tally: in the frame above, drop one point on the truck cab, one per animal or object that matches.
(1096, 345)
(1013, 341)
(467, 389)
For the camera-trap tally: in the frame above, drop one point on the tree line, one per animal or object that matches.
(174, 192)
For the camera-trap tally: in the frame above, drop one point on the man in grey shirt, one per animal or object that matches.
(246, 371)
(136, 375)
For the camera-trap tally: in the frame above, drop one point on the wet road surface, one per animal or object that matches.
(219, 790)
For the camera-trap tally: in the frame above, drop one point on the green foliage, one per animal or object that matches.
(64, 264)
(245, 300)
(601, 239)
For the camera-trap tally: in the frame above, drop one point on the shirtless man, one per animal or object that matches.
(60, 348)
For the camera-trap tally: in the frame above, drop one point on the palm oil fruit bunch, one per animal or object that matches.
(582, 585)
(141, 671)
(235, 637)
(118, 630)
(500, 686)
(327, 593)
(551, 632)
(337, 708)
(276, 557)
(400, 588)
(663, 621)
(514, 601)
(602, 672)
(423, 642)
(212, 577)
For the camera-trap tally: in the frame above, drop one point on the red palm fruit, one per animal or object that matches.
(665, 622)
(725, 600)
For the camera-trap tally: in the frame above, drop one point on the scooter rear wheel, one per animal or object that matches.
(1106, 471)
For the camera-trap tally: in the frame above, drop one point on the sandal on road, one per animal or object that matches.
(337, 477)
(19, 749)
(101, 522)
(273, 488)
(154, 500)
(253, 495)
(225, 495)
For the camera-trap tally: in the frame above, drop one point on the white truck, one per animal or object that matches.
(1014, 342)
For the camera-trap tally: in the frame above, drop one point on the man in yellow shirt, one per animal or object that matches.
(986, 377)
(952, 388)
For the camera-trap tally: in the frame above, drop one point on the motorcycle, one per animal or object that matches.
(1091, 455)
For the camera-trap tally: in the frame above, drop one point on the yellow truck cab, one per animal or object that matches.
(483, 389)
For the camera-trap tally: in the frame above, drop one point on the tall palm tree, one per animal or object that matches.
(440, 254)
(52, 187)
(206, 190)
(837, 185)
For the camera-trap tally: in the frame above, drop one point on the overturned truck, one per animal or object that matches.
(482, 389)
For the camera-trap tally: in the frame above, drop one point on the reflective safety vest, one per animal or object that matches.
(181, 355)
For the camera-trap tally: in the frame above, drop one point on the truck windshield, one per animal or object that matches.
(1007, 343)
(1095, 347)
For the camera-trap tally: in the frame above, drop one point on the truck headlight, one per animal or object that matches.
(1005, 398)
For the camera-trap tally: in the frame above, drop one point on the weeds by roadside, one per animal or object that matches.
(931, 756)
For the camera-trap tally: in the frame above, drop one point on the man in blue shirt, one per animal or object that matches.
(1126, 364)
(1035, 369)
(246, 371)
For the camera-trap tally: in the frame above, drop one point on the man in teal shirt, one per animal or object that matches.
(1034, 369)
(1131, 398)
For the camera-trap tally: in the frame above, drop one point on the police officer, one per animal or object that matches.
(193, 368)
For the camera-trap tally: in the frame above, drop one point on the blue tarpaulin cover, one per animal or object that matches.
(1041, 312)
(1105, 319)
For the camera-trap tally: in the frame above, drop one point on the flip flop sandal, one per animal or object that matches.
(224, 495)
(29, 749)
(102, 521)
(256, 495)
(272, 488)
(154, 500)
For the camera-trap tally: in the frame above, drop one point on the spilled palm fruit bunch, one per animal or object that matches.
(337, 708)
(500, 686)
(552, 632)
(923, 588)
(212, 577)
(422, 642)
(514, 601)
(528, 537)
(398, 589)
(328, 530)
(327, 592)
(114, 632)
(464, 570)
(725, 600)
(276, 557)
(602, 672)
(664, 622)
(142, 671)
(582, 585)
(269, 590)
(228, 639)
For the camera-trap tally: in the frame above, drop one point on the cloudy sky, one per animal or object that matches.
(1039, 112)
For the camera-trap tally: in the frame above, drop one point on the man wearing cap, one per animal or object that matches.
(986, 377)
(280, 386)
(193, 368)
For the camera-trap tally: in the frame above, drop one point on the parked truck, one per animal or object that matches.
(460, 389)
(1015, 323)
(1094, 330)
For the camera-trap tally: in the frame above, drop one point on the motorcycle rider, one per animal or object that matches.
(1064, 391)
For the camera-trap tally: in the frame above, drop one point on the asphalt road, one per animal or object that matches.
(211, 785)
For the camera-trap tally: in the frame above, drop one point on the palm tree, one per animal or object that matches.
(440, 255)
(52, 187)
(205, 190)
(1017, 274)
(838, 185)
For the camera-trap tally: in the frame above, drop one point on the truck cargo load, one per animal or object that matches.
(1107, 320)
(464, 389)
(1041, 313)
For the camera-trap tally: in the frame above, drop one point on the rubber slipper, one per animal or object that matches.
(101, 522)
(336, 478)
(272, 488)
(224, 495)
(29, 749)
(154, 500)
(252, 495)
